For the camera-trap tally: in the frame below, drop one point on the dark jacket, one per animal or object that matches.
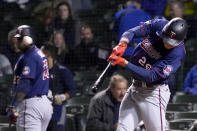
(70, 29)
(101, 113)
(86, 54)
(61, 81)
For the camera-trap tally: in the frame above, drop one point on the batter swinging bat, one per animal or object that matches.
(101, 78)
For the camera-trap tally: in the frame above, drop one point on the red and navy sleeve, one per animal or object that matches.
(29, 68)
(170, 63)
(144, 29)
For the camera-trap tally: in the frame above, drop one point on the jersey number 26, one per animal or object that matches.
(143, 63)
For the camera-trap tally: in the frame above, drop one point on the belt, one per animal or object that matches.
(138, 83)
(28, 97)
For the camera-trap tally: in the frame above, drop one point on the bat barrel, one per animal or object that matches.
(101, 78)
(95, 89)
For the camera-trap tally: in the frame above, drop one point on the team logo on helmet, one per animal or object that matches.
(167, 70)
(172, 34)
(26, 70)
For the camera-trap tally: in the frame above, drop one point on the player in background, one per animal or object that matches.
(13, 52)
(30, 107)
(62, 87)
(190, 81)
(155, 58)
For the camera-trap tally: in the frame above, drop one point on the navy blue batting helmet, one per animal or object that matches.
(25, 33)
(175, 31)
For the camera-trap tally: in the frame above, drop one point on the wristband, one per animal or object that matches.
(126, 63)
(63, 97)
(124, 40)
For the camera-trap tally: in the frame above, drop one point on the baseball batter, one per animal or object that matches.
(31, 83)
(155, 58)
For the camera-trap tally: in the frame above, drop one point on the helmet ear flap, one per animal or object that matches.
(28, 40)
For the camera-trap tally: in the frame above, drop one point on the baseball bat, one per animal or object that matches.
(10, 124)
(101, 78)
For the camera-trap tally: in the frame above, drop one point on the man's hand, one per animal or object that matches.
(116, 125)
(117, 60)
(119, 49)
(13, 114)
(59, 98)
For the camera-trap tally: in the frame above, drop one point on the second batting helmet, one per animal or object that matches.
(24, 32)
(175, 31)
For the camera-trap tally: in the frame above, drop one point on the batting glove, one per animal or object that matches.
(117, 60)
(59, 99)
(119, 49)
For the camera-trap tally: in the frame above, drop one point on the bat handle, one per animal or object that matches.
(10, 124)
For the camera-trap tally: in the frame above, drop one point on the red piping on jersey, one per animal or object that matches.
(160, 110)
(142, 28)
(31, 77)
(24, 114)
(182, 43)
(185, 51)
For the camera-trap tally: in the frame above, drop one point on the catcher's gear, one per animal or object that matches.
(25, 33)
(59, 99)
(175, 31)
